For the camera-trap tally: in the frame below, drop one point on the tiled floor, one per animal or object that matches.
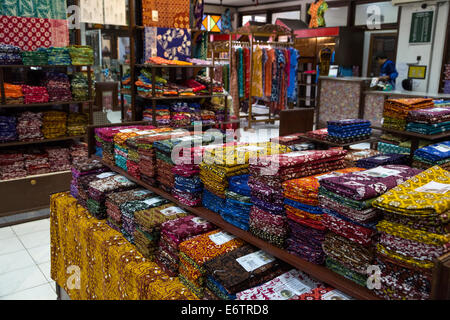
(25, 262)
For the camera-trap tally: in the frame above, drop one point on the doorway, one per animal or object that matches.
(381, 42)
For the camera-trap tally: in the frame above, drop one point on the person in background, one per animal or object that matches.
(388, 72)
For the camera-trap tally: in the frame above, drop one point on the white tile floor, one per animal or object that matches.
(25, 262)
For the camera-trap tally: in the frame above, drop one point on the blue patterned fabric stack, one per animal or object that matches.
(238, 202)
(349, 130)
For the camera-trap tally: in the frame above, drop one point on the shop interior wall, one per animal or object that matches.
(367, 36)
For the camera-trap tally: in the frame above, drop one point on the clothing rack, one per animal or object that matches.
(251, 44)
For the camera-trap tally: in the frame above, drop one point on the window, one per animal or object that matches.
(254, 17)
(336, 17)
(386, 11)
(293, 15)
(212, 23)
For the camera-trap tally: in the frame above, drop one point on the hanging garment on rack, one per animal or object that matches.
(264, 60)
(167, 43)
(293, 88)
(234, 86)
(241, 72)
(268, 72)
(317, 12)
(247, 71)
(257, 89)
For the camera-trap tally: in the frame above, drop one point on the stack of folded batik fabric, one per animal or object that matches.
(8, 131)
(351, 219)
(195, 252)
(173, 234)
(58, 56)
(396, 111)
(307, 232)
(162, 115)
(180, 115)
(99, 189)
(12, 165)
(238, 202)
(148, 227)
(128, 210)
(59, 158)
(350, 130)
(29, 126)
(10, 55)
(80, 87)
(83, 185)
(208, 117)
(34, 94)
(35, 58)
(77, 124)
(58, 86)
(354, 155)
(414, 233)
(292, 285)
(429, 121)
(116, 199)
(36, 162)
(268, 219)
(289, 140)
(81, 55)
(54, 124)
(436, 154)
(13, 94)
(239, 270)
(78, 152)
(382, 160)
(321, 134)
(83, 167)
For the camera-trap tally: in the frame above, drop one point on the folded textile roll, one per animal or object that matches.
(116, 199)
(58, 56)
(29, 126)
(10, 55)
(80, 87)
(381, 160)
(81, 55)
(58, 86)
(8, 131)
(436, 152)
(12, 165)
(35, 94)
(35, 58)
(429, 116)
(269, 227)
(54, 124)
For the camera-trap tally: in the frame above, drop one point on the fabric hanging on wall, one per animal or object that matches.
(268, 72)
(198, 13)
(167, 43)
(115, 12)
(241, 72)
(293, 84)
(200, 47)
(90, 12)
(30, 34)
(226, 21)
(47, 9)
(166, 14)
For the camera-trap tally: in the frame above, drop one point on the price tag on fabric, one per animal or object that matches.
(155, 15)
(250, 148)
(335, 295)
(434, 187)
(152, 201)
(198, 220)
(141, 193)
(106, 175)
(330, 175)
(362, 153)
(221, 238)
(290, 287)
(442, 148)
(381, 158)
(127, 130)
(379, 172)
(255, 260)
(121, 179)
(296, 154)
(171, 211)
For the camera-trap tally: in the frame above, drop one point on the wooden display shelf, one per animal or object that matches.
(151, 65)
(43, 66)
(24, 143)
(47, 104)
(181, 97)
(319, 272)
(334, 144)
(414, 134)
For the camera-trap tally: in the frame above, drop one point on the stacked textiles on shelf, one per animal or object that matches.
(351, 219)
(350, 130)
(81, 55)
(382, 160)
(217, 86)
(240, 269)
(13, 94)
(386, 148)
(173, 234)
(83, 184)
(180, 115)
(54, 124)
(29, 126)
(353, 156)
(58, 56)
(268, 219)
(292, 285)
(414, 233)
(208, 117)
(35, 58)
(289, 140)
(59, 158)
(77, 124)
(115, 200)
(396, 111)
(195, 252)
(34, 94)
(129, 209)
(10, 55)
(306, 229)
(58, 86)
(36, 162)
(78, 152)
(238, 204)
(436, 154)
(429, 121)
(162, 115)
(148, 227)
(447, 78)
(80, 87)
(219, 107)
(82, 168)
(99, 189)
(12, 165)
(321, 134)
(145, 87)
(8, 129)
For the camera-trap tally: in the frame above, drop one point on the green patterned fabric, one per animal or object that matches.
(46, 9)
(346, 273)
(358, 205)
(392, 148)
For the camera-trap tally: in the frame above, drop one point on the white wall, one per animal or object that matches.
(431, 53)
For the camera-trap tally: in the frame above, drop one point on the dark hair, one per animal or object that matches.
(380, 55)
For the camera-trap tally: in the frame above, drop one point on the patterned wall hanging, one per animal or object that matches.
(47, 9)
(115, 12)
(166, 14)
(167, 43)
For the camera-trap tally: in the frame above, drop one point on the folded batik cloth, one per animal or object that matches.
(81, 55)
(269, 227)
(342, 270)
(80, 87)
(195, 252)
(428, 129)
(58, 86)
(150, 220)
(429, 116)
(289, 140)
(10, 55)
(381, 160)
(35, 58)
(392, 148)
(370, 183)
(8, 128)
(115, 200)
(35, 94)
(243, 268)
(401, 107)
(306, 242)
(212, 202)
(59, 158)
(434, 153)
(321, 134)
(357, 215)
(58, 56)
(348, 130)
(99, 189)
(29, 126)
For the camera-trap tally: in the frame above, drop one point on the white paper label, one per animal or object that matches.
(291, 137)
(249, 148)
(199, 220)
(362, 153)
(434, 187)
(154, 15)
(141, 193)
(442, 148)
(255, 260)
(171, 211)
(335, 295)
(379, 172)
(330, 175)
(127, 130)
(152, 201)
(121, 179)
(106, 175)
(221, 237)
(381, 158)
(296, 154)
(291, 287)
(141, 133)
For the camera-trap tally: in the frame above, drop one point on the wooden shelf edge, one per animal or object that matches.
(316, 271)
(24, 143)
(415, 135)
(38, 176)
(43, 104)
